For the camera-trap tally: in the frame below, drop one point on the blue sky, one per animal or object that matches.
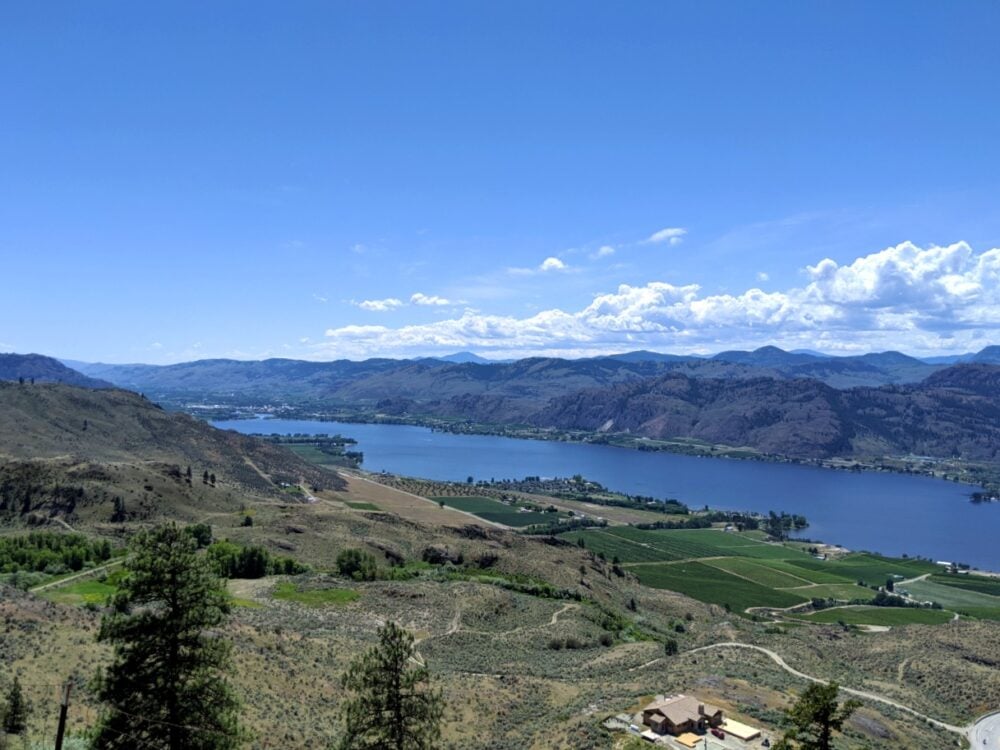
(327, 179)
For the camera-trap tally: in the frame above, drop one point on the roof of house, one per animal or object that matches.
(682, 708)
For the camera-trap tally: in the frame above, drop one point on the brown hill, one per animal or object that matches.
(67, 451)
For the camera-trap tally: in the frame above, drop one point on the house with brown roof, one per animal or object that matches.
(679, 714)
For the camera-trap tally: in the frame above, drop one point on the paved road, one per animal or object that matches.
(985, 733)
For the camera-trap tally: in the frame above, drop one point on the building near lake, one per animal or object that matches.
(681, 714)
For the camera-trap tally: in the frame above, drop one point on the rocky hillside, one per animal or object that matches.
(954, 413)
(69, 452)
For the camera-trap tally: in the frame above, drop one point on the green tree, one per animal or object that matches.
(670, 647)
(393, 707)
(15, 715)
(166, 687)
(357, 564)
(815, 717)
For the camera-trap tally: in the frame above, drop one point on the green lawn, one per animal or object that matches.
(880, 616)
(80, 592)
(714, 586)
(360, 505)
(288, 591)
(245, 603)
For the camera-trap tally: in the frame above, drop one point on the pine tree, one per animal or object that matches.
(392, 707)
(815, 717)
(15, 716)
(166, 687)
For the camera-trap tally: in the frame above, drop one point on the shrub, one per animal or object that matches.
(357, 564)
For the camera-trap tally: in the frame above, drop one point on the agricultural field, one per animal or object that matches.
(744, 572)
(982, 584)
(873, 569)
(714, 586)
(958, 598)
(493, 510)
(886, 616)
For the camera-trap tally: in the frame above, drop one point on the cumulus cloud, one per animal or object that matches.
(763, 276)
(380, 305)
(429, 300)
(603, 252)
(903, 297)
(672, 235)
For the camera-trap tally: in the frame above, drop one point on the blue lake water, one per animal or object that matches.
(888, 513)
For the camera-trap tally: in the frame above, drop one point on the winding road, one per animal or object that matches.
(983, 733)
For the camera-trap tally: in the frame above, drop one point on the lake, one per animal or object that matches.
(888, 513)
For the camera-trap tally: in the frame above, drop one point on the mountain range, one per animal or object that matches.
(795, 404)
(525, 383)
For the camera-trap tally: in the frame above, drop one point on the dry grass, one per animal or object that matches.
(489, 647)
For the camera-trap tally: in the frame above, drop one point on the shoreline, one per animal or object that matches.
(990, 486)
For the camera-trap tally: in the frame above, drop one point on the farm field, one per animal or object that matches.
(638, 545)
(498, 512)
(741, 571)
(871, 568)
(714, 586)
(840, 591)
(888, 616)
(961, 600)
(759, 572)
(982, 584)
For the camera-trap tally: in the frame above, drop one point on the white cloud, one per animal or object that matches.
(429, 300)
(379, 305)
(320, 298)
(763, 276)
(673, 235)
(603, 252)
(903, 297)
(551, 263)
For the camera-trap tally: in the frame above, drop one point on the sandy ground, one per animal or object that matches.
(401, 503)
